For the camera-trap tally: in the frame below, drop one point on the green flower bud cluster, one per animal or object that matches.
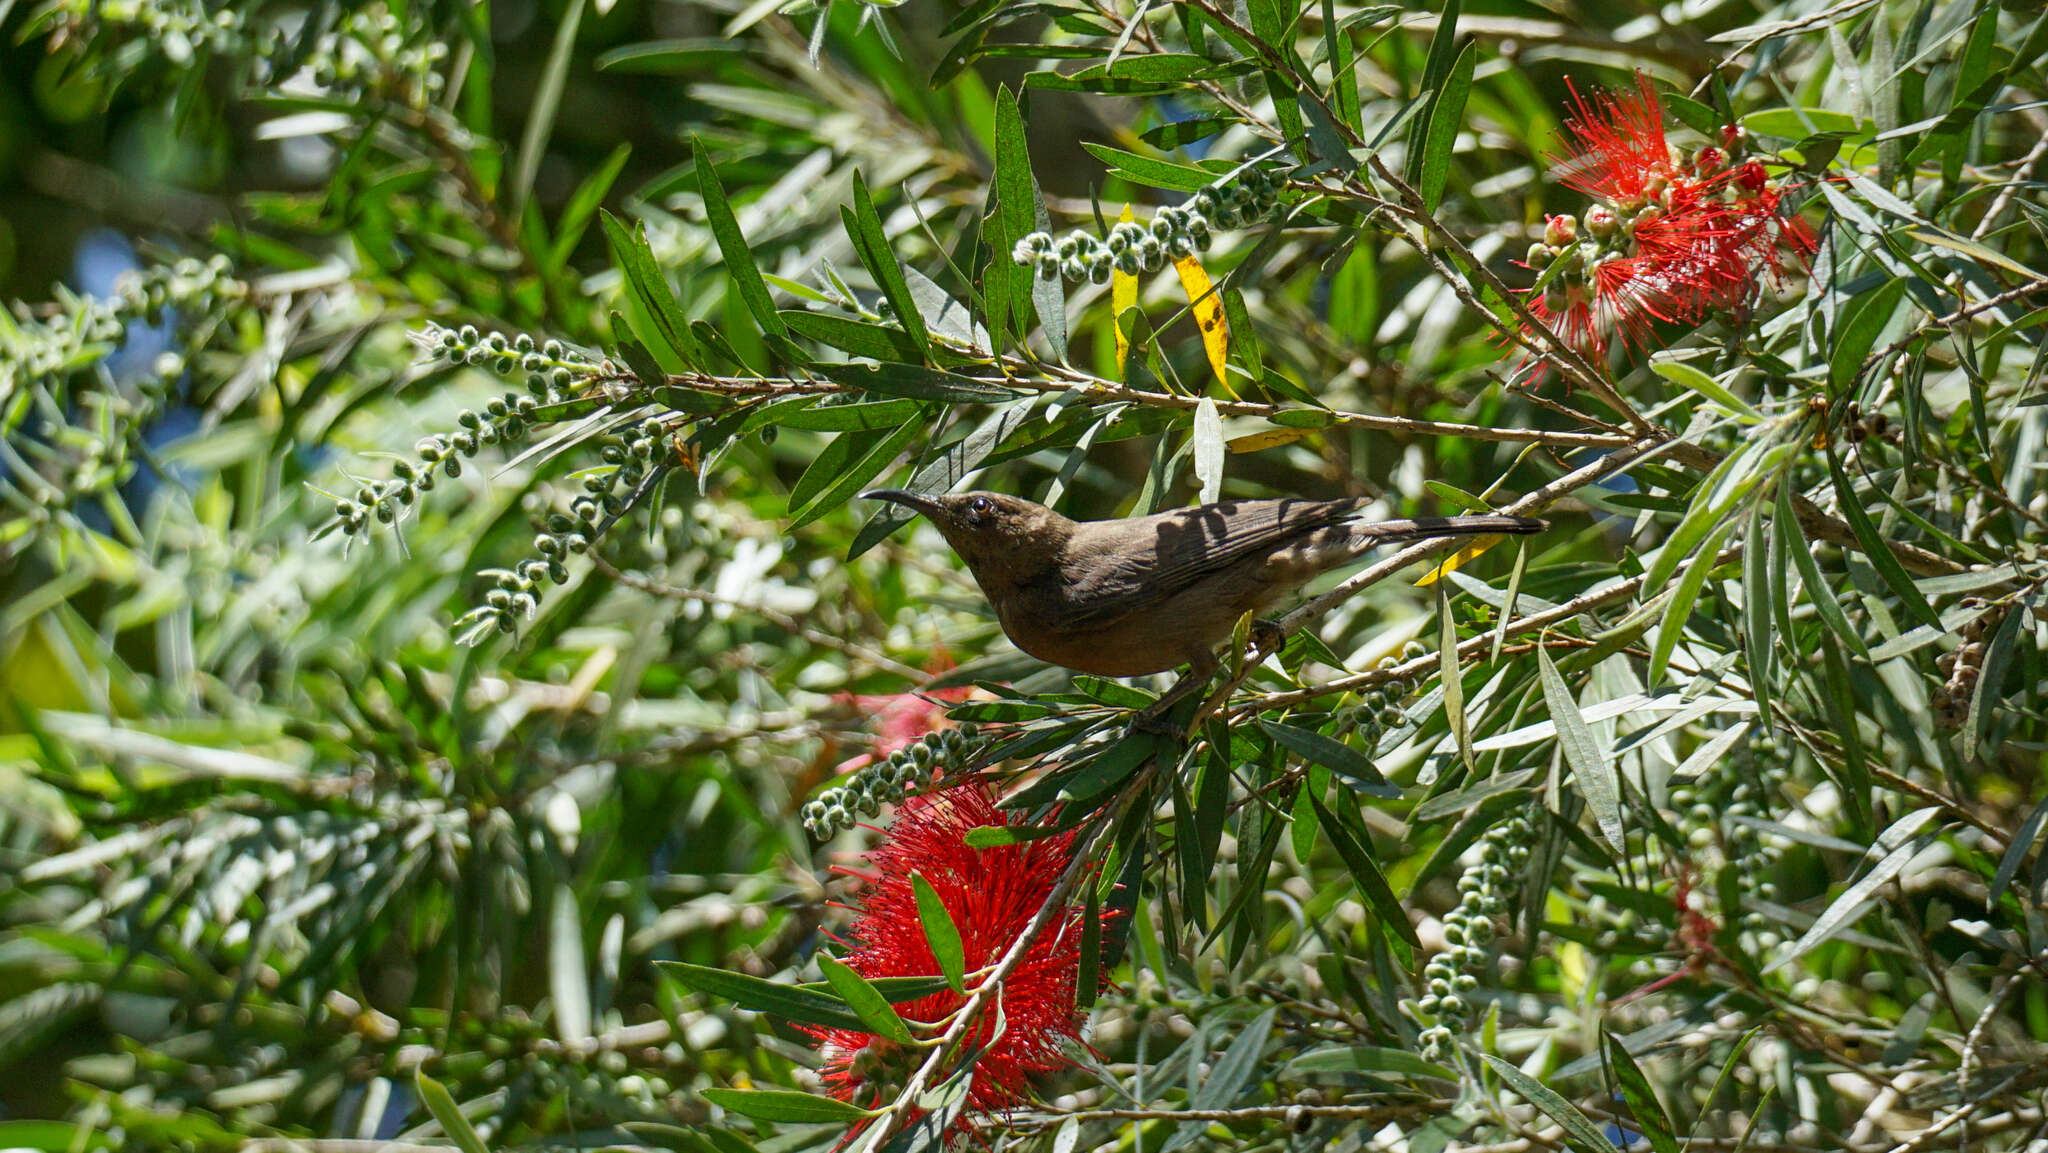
(1378, 710)
(1707, 815)
(1174, 234)
(550, 369)
(92, 432)
(607, 492)
(86, 328)
(1483, 894)
(903, 773)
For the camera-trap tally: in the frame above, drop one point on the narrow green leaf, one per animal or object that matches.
(1335, 755)
(865, 999)
(917, 383)
(1858, 331)
(447, 1114)
(1845, 909)
(541, 113)
(1580, 1134)
(1642, 1099)
(1990, 678)
(648, 288)
(2023, 840)
(1366, 874)
(804, 1005)
(1109, 768)
(864, 228)
(568, 976)
(1088, 978)
(1760, 642)
(576, 214)
(879, 457)
(1679, 609)
(855, 337)
(1446, 116)
(1593, 768)
(1367, 1059)
(732, 246)
(1150, 171)
(1876, 548)
(1024, 212)
(941, 933)
(1443, 46)
(1785, 523)
(1680, 373)
(1209, 454)
(1449, 675)
(786, 1105)
(1235, 1068)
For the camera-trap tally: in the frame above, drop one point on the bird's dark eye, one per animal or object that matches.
(980, 506)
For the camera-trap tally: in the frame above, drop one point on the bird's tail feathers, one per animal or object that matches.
(1425, 527)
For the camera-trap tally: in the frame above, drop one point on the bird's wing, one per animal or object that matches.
(1118, 567)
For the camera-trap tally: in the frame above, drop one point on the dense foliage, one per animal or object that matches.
(451, 684)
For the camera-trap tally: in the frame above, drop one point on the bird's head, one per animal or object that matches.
(996, 534)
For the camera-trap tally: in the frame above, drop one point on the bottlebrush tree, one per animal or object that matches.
(455, 697)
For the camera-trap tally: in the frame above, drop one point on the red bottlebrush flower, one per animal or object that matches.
(1674, 238)
(1617, 144)
(992, 894)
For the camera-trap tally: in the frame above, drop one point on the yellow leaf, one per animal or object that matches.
(1123, 294)
(1208, 305)
(1457, 560)
(1270, 438)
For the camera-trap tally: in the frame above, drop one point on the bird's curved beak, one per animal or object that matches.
(911, 500)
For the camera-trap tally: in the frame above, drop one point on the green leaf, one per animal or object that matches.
(879, 458)
(804, 1005)
(1678, 610)
(786, 1106)
(1443, 46)
(1235, 1068)
(1023, 212)
(1642, 1100)
(575, 217)
(541, 112)
(648, 288)
(1990, 677)
(917, 383)
(1847, 908)
(1365, 872)
(2023, 840)
(1876, 548)
(855, 337)
(864, 228)
(1108, 768)
(1150, 171)
(1593, 768)
(849, 414)
(447, 1114)
(941, 933)
(1580, 1134)
(865, 999)
(1680, 373)
(1785, 524)
(1446, 116)
(1858, 330)
(732, 245)
(1367, 1059)
(1334, 755)
(1449, 676)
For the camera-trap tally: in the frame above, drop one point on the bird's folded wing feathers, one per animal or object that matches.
(1186, 546)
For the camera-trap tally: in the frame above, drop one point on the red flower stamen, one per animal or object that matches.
(992, 894)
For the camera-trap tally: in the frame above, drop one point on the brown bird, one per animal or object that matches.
(1121, 598)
